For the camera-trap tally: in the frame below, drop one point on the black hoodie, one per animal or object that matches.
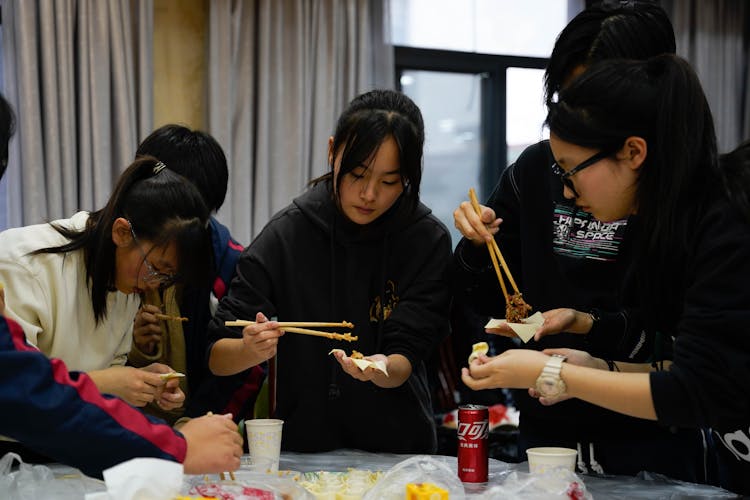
(389, 278)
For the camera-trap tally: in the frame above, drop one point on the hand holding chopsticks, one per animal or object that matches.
(515, 307)
(295, 327)
(495, 254)
(221, 474)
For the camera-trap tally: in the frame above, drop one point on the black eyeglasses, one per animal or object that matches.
(565, 177)
(152, 275)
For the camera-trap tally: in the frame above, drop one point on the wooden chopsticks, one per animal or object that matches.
(167, 317)
(293, 327)
(495, 253)
(284, 324)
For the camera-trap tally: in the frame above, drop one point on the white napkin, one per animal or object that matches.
(525, 330)
(141, 479)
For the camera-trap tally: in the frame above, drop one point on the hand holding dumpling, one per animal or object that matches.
(361, 367)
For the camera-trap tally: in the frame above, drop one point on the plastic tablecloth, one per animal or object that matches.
(57, 481)
(651, 486)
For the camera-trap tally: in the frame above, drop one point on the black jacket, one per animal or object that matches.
(389, 278)
(707, 384)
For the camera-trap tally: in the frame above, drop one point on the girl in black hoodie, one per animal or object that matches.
(357, 246)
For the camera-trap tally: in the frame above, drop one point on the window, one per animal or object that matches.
(502, 27)
(475, 69)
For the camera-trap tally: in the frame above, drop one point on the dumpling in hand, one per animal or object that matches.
(477, 349)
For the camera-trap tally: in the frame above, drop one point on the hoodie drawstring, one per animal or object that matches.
(592, 461)
(581, 463)
(334, 392)
(596, 467)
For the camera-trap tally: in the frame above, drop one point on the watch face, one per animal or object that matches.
(550, 387)
(549, 384)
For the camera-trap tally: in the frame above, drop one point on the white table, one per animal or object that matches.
(69, 484)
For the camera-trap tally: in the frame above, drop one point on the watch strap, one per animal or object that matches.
(554, 365)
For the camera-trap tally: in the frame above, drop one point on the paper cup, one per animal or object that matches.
(545, 459)
(264, 440)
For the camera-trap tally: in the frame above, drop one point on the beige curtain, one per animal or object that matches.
(714, 37)
(280, 72)
(78, 73)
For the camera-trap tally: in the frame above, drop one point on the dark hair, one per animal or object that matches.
(370, 119)
(193, 154)
(609, 30)
(162, 207)
(7, 127)
(660, 100)
(735, 174)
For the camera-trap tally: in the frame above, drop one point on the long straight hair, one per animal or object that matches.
(162, 207)
(660, 100)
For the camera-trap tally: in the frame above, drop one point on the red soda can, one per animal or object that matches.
(473, 430)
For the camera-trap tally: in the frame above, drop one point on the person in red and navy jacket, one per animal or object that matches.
(63, 414)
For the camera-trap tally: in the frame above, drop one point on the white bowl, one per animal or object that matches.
(544, 459)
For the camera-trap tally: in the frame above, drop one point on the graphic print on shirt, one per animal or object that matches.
(737, 442)
(391, 299)
(579, 235)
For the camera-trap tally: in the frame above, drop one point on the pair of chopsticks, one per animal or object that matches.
(167, 317)
(495, 253)
(221, 474)
(296, 327)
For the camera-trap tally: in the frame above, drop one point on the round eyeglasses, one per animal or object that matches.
(153, 276)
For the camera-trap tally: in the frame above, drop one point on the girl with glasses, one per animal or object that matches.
(691, 253)
(74, 284)
(570, 265)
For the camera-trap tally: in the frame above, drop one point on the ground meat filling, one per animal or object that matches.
(516, 309)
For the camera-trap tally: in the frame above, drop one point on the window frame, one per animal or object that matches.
(492, 68)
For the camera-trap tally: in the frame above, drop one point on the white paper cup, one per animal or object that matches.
(545, 459)
(264, 440)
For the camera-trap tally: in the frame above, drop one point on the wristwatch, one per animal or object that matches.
(549, 384)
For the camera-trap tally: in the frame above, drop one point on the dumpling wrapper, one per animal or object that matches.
(525, 330)
(363, 364)
(171, 375)
(477, 349)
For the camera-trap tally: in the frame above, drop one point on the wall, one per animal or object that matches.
(180, 66)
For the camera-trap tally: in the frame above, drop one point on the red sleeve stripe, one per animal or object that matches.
(18, 337)
(160, 435)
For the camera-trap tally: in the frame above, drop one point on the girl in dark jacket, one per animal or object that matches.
(650, 127)
(357, 246)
